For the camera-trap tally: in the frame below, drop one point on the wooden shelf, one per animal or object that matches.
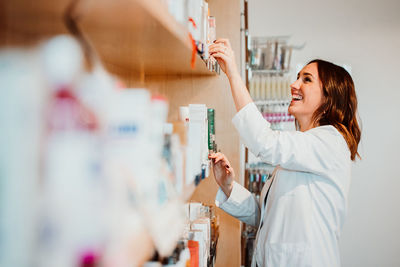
(25, 22)
(138, 37)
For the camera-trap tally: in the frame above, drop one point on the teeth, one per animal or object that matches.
(297, 97)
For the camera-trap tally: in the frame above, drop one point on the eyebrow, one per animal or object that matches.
(305, 73)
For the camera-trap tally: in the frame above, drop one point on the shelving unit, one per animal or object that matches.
(141, 43)
(130, 37)
(266, 65)
(24, 23)
(138, 36)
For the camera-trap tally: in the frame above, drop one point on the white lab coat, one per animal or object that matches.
(306, 205)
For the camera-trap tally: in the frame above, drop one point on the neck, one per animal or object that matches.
(305, 124)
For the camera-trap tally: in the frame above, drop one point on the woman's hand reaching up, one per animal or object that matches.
(223, 172)
(222, 51)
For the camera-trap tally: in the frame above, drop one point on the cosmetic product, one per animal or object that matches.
(211, 129)
(197, 149)
(72, 222)
(268, 55)
(184, 114)
(22, 109)
(258, 183)
(264, 178)
(72, 183)
(177, 8)
(268, 88)
(212, 31)
(262, 87)
(251, 182)
(273, 88)
(194, 18)
(276, 65)
(257, 81)
(200, 237)
(194, 210)
(194, 248)
(252, 87)
(204, 30)
(277, 88)
(204, 224)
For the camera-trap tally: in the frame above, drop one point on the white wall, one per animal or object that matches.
(364, 34)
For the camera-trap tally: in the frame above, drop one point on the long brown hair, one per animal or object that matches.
(339, 105)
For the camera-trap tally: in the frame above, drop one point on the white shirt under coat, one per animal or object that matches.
(306, 205)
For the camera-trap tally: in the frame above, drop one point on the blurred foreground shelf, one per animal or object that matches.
(131, 37)
(24, 23)
(188, 192)
(138, 36)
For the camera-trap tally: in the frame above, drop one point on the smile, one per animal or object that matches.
(296, 97)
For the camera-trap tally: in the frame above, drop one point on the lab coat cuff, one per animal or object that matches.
(250, 123)
(232, 204)
(220, 198)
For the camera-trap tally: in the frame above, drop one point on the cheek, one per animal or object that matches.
(315, 102)
(315, 99)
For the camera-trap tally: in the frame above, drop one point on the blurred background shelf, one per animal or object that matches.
(138, 36)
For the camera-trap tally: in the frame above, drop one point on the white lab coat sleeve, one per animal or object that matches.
(241, 204)
(318, 150)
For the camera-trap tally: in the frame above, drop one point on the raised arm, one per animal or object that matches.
(222, 51)
(319, 150)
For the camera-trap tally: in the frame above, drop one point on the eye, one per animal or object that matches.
(307, 79)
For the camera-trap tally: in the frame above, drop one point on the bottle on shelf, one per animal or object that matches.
(251, 182)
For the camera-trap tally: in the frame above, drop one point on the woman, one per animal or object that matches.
(303, 207)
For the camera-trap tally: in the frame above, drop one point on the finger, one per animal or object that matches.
(227, 165)
(216, 45)
(224, 161)
(219, 48)
(228, 169)
(212, 164)
(220, 56)
(218, 158)
(214, 155)
(217, 154)
(223, 41)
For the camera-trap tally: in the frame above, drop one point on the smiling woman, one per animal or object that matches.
(307, 96)
(303, 206)
(324, 94)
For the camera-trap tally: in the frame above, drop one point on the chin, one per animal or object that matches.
(291, 111)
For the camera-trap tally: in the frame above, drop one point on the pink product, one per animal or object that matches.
(89, 259)
(274, 117)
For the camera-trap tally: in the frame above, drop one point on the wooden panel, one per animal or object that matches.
(138, 36)
(27, 22)
(214, 92)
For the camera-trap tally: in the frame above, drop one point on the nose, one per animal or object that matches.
(295, 85)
